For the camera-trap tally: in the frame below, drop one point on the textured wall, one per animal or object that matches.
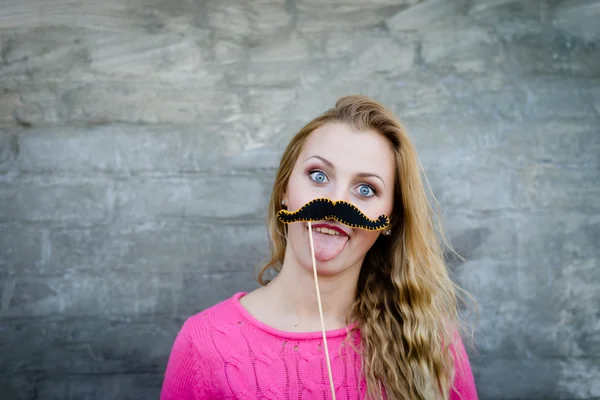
(139, 140)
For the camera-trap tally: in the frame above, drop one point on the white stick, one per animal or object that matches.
(312, 252)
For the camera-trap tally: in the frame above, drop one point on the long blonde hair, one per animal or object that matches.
(405, 305)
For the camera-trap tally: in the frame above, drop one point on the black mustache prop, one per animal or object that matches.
(341, 211)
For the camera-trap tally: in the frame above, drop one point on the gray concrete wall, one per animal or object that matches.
(139, 140)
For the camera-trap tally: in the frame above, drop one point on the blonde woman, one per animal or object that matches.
(389, 308)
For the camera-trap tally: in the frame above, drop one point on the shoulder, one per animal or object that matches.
(209, 337)
(464, 383)
(198, 351)
(217, 319)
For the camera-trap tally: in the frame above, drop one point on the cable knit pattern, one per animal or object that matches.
(225, 353)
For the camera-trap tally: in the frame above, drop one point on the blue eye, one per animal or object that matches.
(318, 176)
(366, 190)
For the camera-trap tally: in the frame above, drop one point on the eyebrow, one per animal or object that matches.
(361, 175)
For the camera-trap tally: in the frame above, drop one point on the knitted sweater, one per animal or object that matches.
(225, 353)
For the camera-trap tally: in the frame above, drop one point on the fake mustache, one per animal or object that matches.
(341, 211)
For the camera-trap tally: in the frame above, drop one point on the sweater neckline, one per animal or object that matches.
(235, 300)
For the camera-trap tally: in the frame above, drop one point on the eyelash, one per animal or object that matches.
(312, 171)
(372, 188)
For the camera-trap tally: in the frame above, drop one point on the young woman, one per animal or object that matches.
(389, 306)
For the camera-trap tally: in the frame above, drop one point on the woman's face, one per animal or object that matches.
(340, 164)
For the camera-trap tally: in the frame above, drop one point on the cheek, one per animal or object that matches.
(373, 209)
(364, 240)
(296, 235)
(294, 193)
(299, 243)
(300, 190)
(299, 196)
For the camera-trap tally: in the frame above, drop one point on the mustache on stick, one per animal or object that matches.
(343, 212)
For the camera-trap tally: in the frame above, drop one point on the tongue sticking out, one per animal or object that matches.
(328, 246)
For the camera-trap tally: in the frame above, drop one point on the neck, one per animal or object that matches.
(294, 287)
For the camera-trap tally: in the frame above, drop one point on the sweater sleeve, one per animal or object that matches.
(464, 383)
(181, 372)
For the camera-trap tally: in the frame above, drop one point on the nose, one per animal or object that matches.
(340, 193)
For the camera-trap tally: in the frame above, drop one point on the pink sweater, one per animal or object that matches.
(225, 353)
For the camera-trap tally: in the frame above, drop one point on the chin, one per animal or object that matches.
(331, 267)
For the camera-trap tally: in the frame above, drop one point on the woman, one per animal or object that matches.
(389, 306)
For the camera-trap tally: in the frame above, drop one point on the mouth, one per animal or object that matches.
(328, 229)
(329, 240)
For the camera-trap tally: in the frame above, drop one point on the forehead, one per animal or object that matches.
(363, 151)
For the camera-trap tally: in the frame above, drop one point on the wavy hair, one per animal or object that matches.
(406, 305)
